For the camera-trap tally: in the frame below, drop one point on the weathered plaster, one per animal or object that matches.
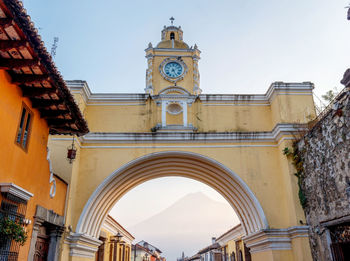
(325, 151)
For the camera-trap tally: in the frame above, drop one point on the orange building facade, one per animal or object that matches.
(34, 102)
(27, 168)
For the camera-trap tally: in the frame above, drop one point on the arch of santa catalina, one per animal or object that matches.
(233, 143)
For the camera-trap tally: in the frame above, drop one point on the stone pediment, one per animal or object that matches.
(174, 90)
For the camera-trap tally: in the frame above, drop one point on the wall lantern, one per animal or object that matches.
(118, 237)
(71, 152)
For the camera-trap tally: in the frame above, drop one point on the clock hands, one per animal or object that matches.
(173, 69)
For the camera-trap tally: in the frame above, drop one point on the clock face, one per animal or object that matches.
(173, 69)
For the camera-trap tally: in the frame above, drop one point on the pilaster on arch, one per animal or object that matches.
(172, 163)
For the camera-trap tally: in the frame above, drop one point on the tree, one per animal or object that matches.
(330, 95)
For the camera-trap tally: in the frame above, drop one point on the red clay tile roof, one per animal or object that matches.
(29, 64)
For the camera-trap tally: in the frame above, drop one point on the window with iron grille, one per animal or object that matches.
(13, 208)
(24, 126)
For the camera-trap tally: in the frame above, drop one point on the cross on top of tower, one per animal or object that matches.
(172, 20)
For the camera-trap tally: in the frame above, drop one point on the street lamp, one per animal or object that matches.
(71, 152)
(115, 241)
(118, 237)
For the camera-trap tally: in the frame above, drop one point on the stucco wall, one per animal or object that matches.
(325, 152)
(28, 168)
(243, 133)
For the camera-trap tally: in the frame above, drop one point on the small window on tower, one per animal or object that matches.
(172, 36)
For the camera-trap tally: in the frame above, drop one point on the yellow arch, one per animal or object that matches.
(172, 163)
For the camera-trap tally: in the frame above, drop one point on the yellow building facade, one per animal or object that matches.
(233, 143)
(232, 245)
(116, 242)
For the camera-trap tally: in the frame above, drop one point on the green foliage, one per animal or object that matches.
(13, 230)
(330, 95)
(299, 166)
(302, 197)
(286, 151)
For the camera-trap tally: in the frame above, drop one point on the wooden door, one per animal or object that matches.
(41, 249)
(41, 245)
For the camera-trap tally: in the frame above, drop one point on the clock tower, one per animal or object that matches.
(172, 63)
(172, 77)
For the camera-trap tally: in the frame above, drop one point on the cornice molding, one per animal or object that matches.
(78, 86)
(273, 136)
(49, 216)
(114, 227)
(82, 245)
(169, 89)
(286, 88)
(81, 87)
(276, 88)
(233, 234)
(174, 50)
(168, 98)
(274, 239)
(15, 190)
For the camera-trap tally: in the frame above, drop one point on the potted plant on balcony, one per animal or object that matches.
(11, 229)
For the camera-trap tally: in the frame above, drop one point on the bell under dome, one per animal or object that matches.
(172, 37)
(172, 44)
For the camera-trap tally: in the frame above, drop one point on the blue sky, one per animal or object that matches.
(245, 44)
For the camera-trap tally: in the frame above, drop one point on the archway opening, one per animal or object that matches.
(177, 215)
(177, 164)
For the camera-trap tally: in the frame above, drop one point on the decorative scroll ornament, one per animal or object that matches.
(149, 73)
(196, 76)
(52, 179)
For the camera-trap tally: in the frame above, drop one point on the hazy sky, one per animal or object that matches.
(154, 196)
(188, 225)
(246, 44)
